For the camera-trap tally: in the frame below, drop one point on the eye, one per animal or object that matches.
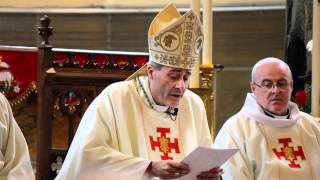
(186, 77)
(282, 84)
(174, 76)
(267, 84)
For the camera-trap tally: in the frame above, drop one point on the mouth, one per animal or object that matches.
(176, 95)
(276, 100)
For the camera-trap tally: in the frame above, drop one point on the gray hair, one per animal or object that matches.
(156, 66)
(269, 60)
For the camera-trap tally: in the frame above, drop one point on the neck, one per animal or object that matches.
(285, 115)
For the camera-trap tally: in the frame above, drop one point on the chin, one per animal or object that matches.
(173, 104)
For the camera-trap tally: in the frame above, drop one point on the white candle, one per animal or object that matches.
(195, 74)
(195, 6)
(315, 97)
(207, 28)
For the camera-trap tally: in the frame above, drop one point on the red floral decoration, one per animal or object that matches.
(80, 59)
(301, 98)
(101, 60)
(139, 61)
(120, 61)
(60, 58)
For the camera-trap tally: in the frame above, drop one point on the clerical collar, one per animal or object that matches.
(144, 85)
(270, 114)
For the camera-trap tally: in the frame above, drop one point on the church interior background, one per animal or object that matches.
(244, 31)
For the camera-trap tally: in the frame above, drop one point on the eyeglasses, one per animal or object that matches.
(267, 84)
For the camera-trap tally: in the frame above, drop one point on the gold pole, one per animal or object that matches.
(315, 103)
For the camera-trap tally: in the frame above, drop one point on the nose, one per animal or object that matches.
(275, 89)
(181, 84)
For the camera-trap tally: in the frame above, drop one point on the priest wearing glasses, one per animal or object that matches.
(143, 127)
(276, 140)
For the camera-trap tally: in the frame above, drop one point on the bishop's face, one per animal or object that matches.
(167, 85)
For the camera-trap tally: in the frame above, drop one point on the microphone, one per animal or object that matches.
(172, 112)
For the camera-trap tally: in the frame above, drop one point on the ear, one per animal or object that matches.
(252, 87)
(291, 84)
(150, 71)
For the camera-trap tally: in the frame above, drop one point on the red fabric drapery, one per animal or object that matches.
(21, 64)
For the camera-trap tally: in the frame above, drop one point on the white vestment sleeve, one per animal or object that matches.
(238, 166)
(205, 139)
(95, 150)
(14, 155)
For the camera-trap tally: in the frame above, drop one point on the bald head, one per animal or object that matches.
(271, 83)
(270, 60)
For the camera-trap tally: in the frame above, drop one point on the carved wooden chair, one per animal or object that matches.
(68, 80)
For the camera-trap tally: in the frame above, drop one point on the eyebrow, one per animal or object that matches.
(283, 79)
(180, 71)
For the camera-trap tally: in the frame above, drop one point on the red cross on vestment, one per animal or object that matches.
(164, 144)
(289, 153)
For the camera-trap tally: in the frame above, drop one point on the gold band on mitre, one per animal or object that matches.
(174, 40)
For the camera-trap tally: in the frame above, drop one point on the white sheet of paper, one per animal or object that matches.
(204, 159)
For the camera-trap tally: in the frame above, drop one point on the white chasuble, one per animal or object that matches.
(162, 136)
(120, 133)
(287, 149)
(15, 161)
(270, 148)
